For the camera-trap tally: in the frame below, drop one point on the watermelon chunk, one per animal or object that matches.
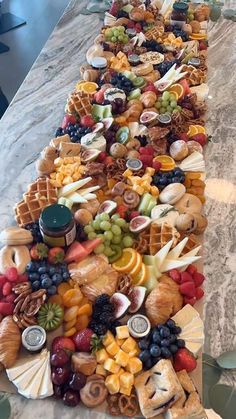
(186, 87)
(76, 253)
(90, 245)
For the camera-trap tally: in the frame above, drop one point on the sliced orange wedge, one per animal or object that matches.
(89, 87)
(192, 130)
(79, 84)
(138, 265)
(201, 129)
(167, 163)
(198, 36)
(141, 276)
(178, 89)
(127, 261)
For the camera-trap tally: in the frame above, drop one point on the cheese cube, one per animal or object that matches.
(112, 384)
(126, 379)
(121, 371)
(129, 345)
(111, 366)
(101, 356)
(108, 338)
(122, 358)
(100, 370)
(113, 348)
(122, 332)
(134, 365)
(126, 391)
(119, 341)
(134, 352)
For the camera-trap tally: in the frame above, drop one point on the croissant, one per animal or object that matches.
(164, 301)
(10, 340)
(137, 14)
(148, 99)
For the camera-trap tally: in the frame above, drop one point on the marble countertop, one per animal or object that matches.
(36, 111)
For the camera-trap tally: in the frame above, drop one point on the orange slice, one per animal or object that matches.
(167, 163)
(178, 89)
(127, 261)
(141, 276)
(89, 87)
(138, 265)
(192, 130)
(198, 36)
(79, 84)
(201, 129)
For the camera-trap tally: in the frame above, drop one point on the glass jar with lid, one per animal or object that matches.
(179, 13)
(57, 225)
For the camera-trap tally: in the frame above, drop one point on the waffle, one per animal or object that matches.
(155, 33)
(159, 235)
(79, 103)
(40, 194)
(192, 242)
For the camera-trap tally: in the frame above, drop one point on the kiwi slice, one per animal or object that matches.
(50, 316)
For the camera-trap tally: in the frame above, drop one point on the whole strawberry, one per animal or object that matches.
(39, 251)
(86, 340)
(184, 360)
(56, 255)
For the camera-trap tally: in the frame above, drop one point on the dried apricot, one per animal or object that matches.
(70, 313)
(70, 332)
(56, 299)
(82, 322)
(63, 288)
(85, 309)
(70, 324)
(72, 297)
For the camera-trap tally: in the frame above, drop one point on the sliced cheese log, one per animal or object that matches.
(195, 160)
(89, 190)
(177, 264)
(46, 387)
(174, 253)
(194, 325)
(194, 347)
(162, 254)
(72, 187)
(76, 198)
(32, 389)
(94, 140)
(24, 379)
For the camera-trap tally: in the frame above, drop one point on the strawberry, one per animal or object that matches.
(39, 251)
(190, 301)
(138, 27)
(114, 9)
(156, 165)
(188, 289)
(199, 293)
(198, 278)
(133, 214)
(62, 342)
(99, 96)
(183, 136)
(175, 275)
(68, 119)
(56, 255)
(142, 150)
(122, 210)
(149, 150)
(150, 87)
(146, 159)
(102, 157)
(3, 279)
(6, 290)
(10, 298)
(83, 340)
(6, 308)
(11, 274)
(191, 269)
(200, 138)
(131, 24)
(202, 45)
(108, 160)
(184, 360)
(87, 121)
(185, 277)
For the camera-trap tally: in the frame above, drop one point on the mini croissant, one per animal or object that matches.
(10, 340)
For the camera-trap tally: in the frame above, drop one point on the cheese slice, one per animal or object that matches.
(24, 379)
(194, 347)
(174, 253)
(22, 365)
(32, 389)
(185, 316)
(180, 263)
(197, 336)
(194, 325)
(46, 387)
(94, 140)
(76, 198)
(162, 254)
(72, 187)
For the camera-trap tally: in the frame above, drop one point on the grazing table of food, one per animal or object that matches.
(101, 280)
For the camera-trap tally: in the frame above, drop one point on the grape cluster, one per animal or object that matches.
(113, 231)
(164, 67)
(75, 131)
(118, 106)
(116, 34)
(47, 276)
(121, 82)
(153, 46)
(167, 103)
(103, 316)
(179, 32)
(161, 342)
(35, 231)
(122, 13)
(162, 179)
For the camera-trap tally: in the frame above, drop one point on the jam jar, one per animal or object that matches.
(100, 64)
(57, 225)
(179, 12)
(34, 338)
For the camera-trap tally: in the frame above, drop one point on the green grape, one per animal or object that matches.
(169, 109)
(120, 222)
(108, 251)
(104, 217)
(116, 230)
(116, 32)
(172, 97)
(116, 239)
(162, 110)
(88, 229)
(109, 33)
(101, 236)
(105, 225)
(125, 228)
(115, 216)
(166, 96)
(108, 235)
(126, 39)
(121, 38)
(174, 110)
(98, 217)
(158, 105)
(113, 39)
(127, 241)
(164, 103)
(96, 224)
(122, 29)
(92, 235)
(106, 243)
(179, 109)
(99, 249)
(173, 104)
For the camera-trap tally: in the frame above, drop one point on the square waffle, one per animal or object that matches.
(39, 195)
(154, 33)
(79, 103)
(159, 235)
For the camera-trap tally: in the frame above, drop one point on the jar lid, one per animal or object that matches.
(134, 164)
(164, 118)
(33, 338)
(99, 62)
(139, 325)
(56, 217)
(194, 61)
(180, 7)
(131, 32)
(133, 59)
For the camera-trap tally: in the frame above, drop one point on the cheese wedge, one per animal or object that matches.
(185, 315)
(46, 387)
(76, 198)
(24, 379)
(22, 365)
(72, 187)
(32, 389)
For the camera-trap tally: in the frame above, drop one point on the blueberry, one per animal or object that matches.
(165, 353)
(52, 290)
(180, 343)
(170, 323)
(175, 179)
(33, 276)
(57, 279)
(163, 181)
(182, 179)
(52, 270)
(144, 355)
(155, 350)
(30, 267)
(148, 363)
(42, 270)
(177, 171)
(35, 285)
(46, 282)
(165, 342)
(143, 344)
(164, 332)
(177, 330)
(173, 349)
(172, 338)
(65, 276)
(44, 276)
(156, 337)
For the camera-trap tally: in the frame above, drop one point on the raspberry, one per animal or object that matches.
(175, 275)
(190, 301)
(156, 165)
(22, 278)
(142, 150)
(6, 290)
(130, 24)
(199, 293)
(185, 277)
(11, 274)
(101, 157)
(191, 269)
(138, 27)
(198, 278)
(6, 308)
(3, 280)
(149, 150)
(188, 289)
(10, 298)
(146, 159)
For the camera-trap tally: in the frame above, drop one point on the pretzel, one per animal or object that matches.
(128, 405)
(113, 406)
